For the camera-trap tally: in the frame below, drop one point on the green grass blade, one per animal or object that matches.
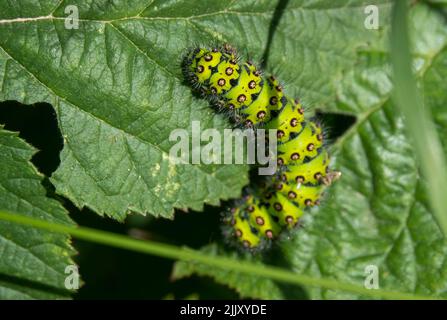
(418, 120)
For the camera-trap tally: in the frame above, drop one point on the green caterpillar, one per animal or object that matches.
(254, 101)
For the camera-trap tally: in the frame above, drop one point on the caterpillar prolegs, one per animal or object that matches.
(253, 101)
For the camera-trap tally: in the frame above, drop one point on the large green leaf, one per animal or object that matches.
(378, 213)
(32, 262)
(117, 88)
(117, 97)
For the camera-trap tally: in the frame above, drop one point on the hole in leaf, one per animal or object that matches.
(335, 124)
(37, 125)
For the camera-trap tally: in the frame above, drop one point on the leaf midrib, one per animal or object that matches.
(51, 16)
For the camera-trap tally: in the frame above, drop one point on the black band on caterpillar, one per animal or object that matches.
(253, 100)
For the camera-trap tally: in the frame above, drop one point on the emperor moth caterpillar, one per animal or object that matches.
(254, 100)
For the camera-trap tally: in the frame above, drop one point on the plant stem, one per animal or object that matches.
(185, 254)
